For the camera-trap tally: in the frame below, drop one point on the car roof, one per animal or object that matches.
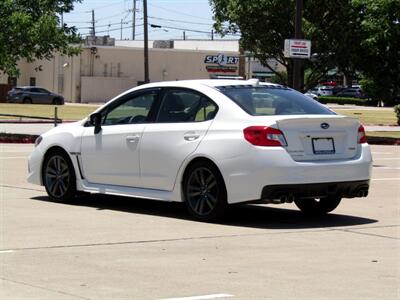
(209, 83)
(28, 87)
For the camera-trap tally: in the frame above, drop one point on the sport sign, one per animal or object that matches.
(297, 48)
(221, 59)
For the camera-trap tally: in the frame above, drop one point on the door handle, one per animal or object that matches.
(133, 138)
(191, 136)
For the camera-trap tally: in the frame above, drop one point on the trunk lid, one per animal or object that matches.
(315, 137)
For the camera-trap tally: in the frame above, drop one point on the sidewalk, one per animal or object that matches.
(38, 129)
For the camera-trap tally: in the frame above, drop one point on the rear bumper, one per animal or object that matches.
(247, 175)
(349, 189)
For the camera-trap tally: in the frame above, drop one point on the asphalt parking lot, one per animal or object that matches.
(120, 248)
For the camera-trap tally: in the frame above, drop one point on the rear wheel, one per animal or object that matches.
(204, 191)
(27, 101)
(318, 206)
(59, 177)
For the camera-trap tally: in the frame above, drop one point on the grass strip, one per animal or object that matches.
(371, 116)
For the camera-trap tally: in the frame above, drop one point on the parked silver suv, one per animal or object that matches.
(33, 94)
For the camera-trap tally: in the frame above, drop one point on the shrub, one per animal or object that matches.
(397, 111)
(344, 100)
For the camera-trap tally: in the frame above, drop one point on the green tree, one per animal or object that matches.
(32, 30)
(381, 43)
(334, 27)
(263, 26)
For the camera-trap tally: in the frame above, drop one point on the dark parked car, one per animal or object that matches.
(33, 94)
(353, 92)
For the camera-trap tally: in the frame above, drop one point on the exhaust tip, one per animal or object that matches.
(362, 193)
(290, 198)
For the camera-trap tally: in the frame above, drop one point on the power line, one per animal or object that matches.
(178, 12)
(115, 29)
(97, 8)
(180, 21)
(177, 28)
(113, 16)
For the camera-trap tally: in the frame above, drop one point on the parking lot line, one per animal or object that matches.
(6, 251)
(13, 157)
(388, 158)
(382, 179)
(203, 297)
(382, 152)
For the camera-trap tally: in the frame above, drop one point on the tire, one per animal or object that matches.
(57, 101)
(59, 177)
(204, 192)
(316, 207)
(27, 101)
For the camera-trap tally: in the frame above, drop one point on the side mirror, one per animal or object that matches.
(95, 120)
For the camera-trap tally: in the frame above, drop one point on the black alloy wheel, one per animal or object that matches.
(57, 101)
(59, 177)
(205, 192)
(27, 101)
(318, 206)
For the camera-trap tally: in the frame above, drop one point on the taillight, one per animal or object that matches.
(264, 136)
(362, 138)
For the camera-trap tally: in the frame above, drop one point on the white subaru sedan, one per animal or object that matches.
(208, 143)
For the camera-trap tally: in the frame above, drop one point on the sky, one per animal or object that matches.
(174, 17)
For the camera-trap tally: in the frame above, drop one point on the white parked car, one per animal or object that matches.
(208, 143)
(311, 95)
(321, 91)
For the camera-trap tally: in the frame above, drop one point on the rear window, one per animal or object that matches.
(272, 100)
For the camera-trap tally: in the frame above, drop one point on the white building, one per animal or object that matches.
(99, 73)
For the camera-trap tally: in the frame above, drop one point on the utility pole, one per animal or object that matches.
(184, 35)
(121, 29)
(93, 24)
(62, 19)
(298, 72)
(146, 44)
(212, 34)
(133, 19)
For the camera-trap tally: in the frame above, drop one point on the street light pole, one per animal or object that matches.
(298, 72)
(146, 44)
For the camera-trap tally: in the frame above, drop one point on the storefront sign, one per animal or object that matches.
(221, 63)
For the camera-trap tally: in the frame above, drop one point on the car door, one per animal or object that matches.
(46, 96)
(183, 119)
(112, 155)
(34, 95)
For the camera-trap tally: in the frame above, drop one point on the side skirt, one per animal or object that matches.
(116, 190)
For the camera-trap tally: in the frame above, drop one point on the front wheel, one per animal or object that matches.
(318, 206)
(204, 192)
(57, 101)
(59, 177)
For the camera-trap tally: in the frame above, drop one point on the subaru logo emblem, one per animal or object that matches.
(324, 125)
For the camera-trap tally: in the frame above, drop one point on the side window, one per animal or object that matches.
(132, 111)
(185, 106)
